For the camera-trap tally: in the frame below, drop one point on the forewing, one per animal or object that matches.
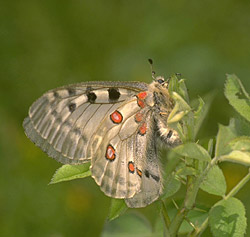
(63, 121)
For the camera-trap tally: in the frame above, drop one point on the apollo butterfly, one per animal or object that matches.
(115, 126)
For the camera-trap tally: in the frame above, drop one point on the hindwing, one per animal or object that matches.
(117, 152)
(151, 180)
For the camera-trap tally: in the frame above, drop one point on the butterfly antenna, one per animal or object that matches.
(151, 67)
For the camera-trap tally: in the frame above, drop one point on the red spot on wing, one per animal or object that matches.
(142, 95)
(141, 103)
(110, 153)
(131, 167)
(116, 117)
(138, 117)
(138, 172)
(143, 129)
(140, 98)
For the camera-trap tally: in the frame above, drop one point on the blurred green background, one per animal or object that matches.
(46, 44)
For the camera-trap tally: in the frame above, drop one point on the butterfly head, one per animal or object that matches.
(161, 82)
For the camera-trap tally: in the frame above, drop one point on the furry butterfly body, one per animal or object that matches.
(113, 125)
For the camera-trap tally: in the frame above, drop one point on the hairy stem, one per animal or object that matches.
(193, 185)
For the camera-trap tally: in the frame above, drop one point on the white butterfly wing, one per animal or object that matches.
(103, 122)
(62, 121)
(151, 180)
(131, 169)
(115, 156)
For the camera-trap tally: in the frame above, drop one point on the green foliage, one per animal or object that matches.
(172, 185)
(193, 150)
(215, 182)
(46, 44)
(70, 172)
(201, 112)
(237, 157)
(227, 218)
(224, 136)
(237, 96)
(194, 166)
(117, 207)
(194, 216)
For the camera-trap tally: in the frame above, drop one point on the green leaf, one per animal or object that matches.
(70, 172)
(210, 147)
(131, 224)
(117, 207)
(182, 103)
(173, 160)
(241, 126)
(178, 86)
(171, 186)
(193, 150)
(237, 96)
(227, 218)
(224, 135)
(239, 157)
(173, 84)
(177, 117)
(182, 90)
(195, 217)
(215, 182)
(199, 115)
(180, 109)
(240, 143)
(202, 110)
(187, 171)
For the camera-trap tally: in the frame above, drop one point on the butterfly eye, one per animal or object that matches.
(160, 80)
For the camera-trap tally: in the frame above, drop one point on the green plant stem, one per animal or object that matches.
(183, 210)
(193, 185)
(235, 190)
(165, 214)
(165, 218)
(238, 186)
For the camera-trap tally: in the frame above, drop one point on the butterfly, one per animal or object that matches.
(114, 125)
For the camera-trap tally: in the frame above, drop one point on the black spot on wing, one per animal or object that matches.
(155, 177)
(77, 131)
(90, 94)
(114, 94)
(72, 107)
(71, 91)
(54, 113)
(91, 97)
(147, 173)
(56, 95)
